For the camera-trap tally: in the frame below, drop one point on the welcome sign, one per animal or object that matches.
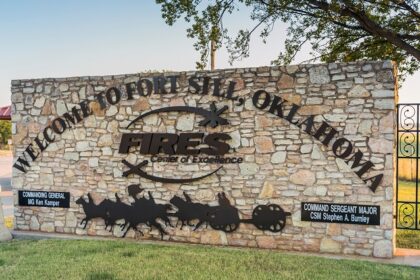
(154, 143)
(229, 155)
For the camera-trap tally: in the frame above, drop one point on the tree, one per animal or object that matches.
(5, 131)
(337, 30)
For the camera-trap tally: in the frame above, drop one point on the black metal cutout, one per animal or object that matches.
(136, 169)
(92, 210)
(224, 217)
(269, 217)
(211, 116)
(146, 211)
(189, 211)
(143, 210)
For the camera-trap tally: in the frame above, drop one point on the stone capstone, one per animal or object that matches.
(286, 81)
(319, 75)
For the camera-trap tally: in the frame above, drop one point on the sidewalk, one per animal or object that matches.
(7, 202)
(6, 194)
(407, 257)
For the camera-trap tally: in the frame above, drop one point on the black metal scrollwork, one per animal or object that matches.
(407, 144)
(407, 117)
(408, 212)
(406, 215)
(407, 137)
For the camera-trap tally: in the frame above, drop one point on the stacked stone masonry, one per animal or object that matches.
(282, 164)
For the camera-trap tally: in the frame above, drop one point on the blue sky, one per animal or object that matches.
(46, 38)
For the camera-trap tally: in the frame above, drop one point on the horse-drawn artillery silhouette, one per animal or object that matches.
(92, 210)
(189, 211)
(223, 216)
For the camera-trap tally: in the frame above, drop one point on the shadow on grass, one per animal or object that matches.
(128, 254)
(101, 276)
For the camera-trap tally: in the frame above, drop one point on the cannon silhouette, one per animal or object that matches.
(224, 216)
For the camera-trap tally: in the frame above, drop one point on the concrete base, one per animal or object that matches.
(408, 256)
(5, 234)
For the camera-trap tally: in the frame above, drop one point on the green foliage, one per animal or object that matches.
(5, 131)
(337, 30)
(206, 25)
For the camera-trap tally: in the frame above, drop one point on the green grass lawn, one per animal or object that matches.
(407, 191)
(408, 239)
(82, 259)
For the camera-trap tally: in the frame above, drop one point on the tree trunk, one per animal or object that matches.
(212, 54)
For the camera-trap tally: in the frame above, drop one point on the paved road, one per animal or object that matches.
(5, 166)
(6, 195)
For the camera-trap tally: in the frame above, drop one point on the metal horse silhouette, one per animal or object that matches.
(223, 216)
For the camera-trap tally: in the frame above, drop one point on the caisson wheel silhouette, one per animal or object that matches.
(226, 220)
(269, 217)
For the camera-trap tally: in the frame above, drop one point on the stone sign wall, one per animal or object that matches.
(284, 126)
